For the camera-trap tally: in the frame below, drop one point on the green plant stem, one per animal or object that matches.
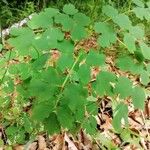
(66, 79)
(122, 42)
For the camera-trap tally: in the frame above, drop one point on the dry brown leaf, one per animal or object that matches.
(71, 145)
(59, 142)
(19, 147)
(33, 146)
(41, 142)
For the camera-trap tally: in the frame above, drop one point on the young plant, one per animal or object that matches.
(47, 79)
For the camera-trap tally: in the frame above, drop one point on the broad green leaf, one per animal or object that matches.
(92, 108)
(66, 46)
(90, 125)
(80, 114)
(69, 9)
(66, 22)
(138, 98)
(41, 20)
(129, 40)
(39, 63)
(65, 61)
(137, 32)
(103, 83)
(24, 70)
(42, 110)
(81, 19)
(54, 34)
(48, 39)
(84, 73)
(120, 112)
(95, 59)
(78, 33)
(138, 3)
(40, 89)
(74, 96)
(108, 35)
(65, 117)
(23, 40)
(144, 77)
(51, 12)
(110, 11)
(51, 76)
(142, 13)
(145, 50)
(51, 124)
(127, 63)
(123, 21)
(123, 87)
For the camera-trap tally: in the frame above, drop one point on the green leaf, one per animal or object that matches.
(123, 87)
(84, 74)
(142, 13)
(66, 46)
(51, 124)
(23, 40)
(137, 32)
(51, 12)
(123, 21)
(121, 111)
(110, 11)
(95, 59)
(65, 117)
(66, 22)
(69, 9)
(81, 19)
(54, 34)
(48, 39)
(127, 63)
(145, 50)
(42, 110)
(65, 61)
(74, 96)
(92, 108)
(78, 33)
(90, 125)
(129, 40)
(144, 77)
(80, 114)
(24, 70)
(108, 35)
(39, 88)
(39, 63)
(103, 83)
(138, 3)
(41, 20)
(138, 98)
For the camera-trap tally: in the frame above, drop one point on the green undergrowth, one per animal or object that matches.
(39, 93)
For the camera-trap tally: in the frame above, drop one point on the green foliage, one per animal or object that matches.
(48, 72)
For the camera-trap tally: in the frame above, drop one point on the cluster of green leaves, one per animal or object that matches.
(53, 97)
